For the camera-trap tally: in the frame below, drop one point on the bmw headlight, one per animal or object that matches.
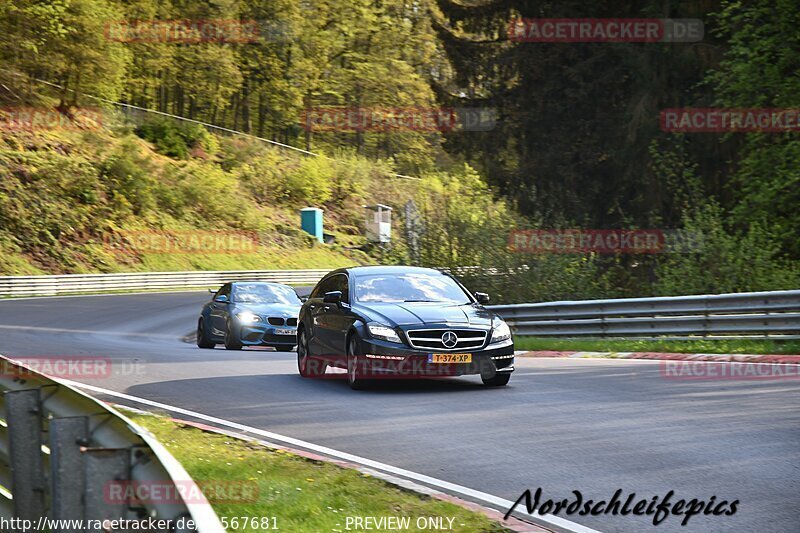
(246, 317)
(501, 332)
(379, 331)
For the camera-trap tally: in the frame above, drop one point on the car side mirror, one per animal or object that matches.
(482, 298)
(221, 299)
(304, 298)
(333, 297)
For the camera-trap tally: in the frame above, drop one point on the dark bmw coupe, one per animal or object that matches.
(398, 322)
(250, 313)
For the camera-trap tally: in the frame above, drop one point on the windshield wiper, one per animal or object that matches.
(420, 301)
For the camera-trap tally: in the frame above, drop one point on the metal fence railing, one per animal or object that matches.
(61, 451)
(774, 314)
(11, 286)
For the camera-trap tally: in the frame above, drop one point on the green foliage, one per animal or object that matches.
(306, 181)
(577, 142)
(760, 70)
(178, 139)
(129, 177)
(726, 260)
(64, 41)
(457, 230)
(66, 202)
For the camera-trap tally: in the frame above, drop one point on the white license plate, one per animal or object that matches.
(285, 331)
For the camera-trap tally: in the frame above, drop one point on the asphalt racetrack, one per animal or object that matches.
(561, 424)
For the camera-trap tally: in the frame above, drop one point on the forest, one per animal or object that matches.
(575, 139)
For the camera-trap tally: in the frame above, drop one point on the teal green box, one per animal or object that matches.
(311, 221)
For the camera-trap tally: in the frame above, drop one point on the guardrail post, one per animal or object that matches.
(103, 467)
(67, 436)
(603, 323)
(25, 453)
(765, 304)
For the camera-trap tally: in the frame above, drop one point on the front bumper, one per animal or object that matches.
(380, 358)
(266, 335)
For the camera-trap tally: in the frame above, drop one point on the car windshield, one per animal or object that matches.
(262, 293)
(409, 287)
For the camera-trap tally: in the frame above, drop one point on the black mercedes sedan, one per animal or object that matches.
(401, 322)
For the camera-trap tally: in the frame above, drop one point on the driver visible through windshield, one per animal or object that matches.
(262, 293)
(410, 287)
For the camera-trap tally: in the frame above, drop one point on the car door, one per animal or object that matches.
(219, 311)
(317, 314)
(338, 318)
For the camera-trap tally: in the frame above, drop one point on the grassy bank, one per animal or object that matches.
(104, 199)
(718, 346)
(301, 494)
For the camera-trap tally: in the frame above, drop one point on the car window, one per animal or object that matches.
(409, 287)
(323, 286)
(263, 293)
(225, 290)
(340, 284)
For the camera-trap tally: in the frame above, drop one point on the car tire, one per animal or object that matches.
(500, 379)
(202, 336)
(354, 376)
(316, 368)
(231, 341)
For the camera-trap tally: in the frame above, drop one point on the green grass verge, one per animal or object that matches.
(303, 495)
(720, 346)
(263, 258)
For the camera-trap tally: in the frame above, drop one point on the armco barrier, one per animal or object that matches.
(11, 286)
(60, 449)
(775, 314)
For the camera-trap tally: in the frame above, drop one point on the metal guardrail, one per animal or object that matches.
(11, 286)
(60, 450)
(773, 314)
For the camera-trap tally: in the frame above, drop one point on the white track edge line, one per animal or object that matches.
(499, 503)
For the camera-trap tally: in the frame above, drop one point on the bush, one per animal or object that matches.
(725, 260)
(178, 140)
(130, 179)
(273, 179)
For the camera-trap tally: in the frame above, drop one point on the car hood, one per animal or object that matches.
(282, 310)
(409, 314)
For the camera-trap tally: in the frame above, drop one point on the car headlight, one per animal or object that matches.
(501, 332)
(379, 331)
(247, 317)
